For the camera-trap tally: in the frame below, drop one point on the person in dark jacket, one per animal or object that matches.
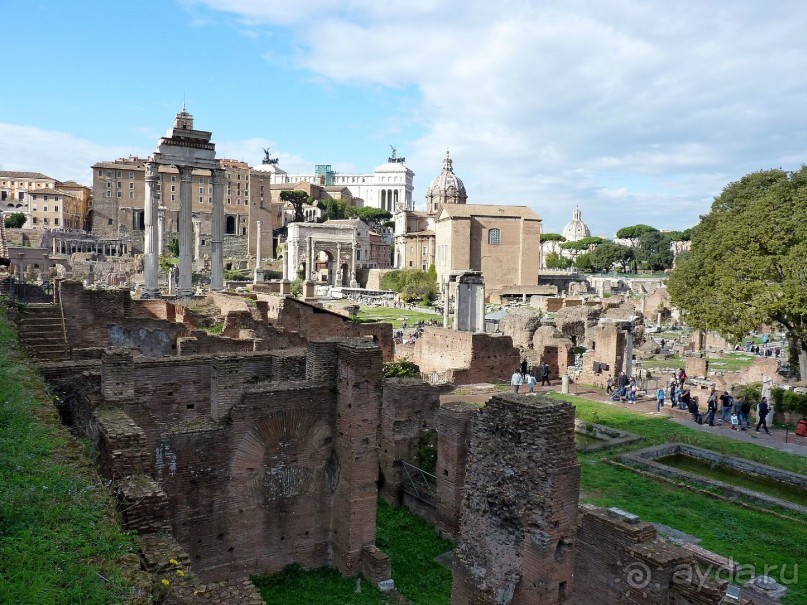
(745, 411)
(712, 407)
(763, 410)
(692, 406)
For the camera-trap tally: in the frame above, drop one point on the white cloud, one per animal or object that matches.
(58, 154)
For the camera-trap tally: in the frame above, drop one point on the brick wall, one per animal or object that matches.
(453, 420)
(620, 560)
(315, 323)
(473, 357)
(519, 509)
(408, 409)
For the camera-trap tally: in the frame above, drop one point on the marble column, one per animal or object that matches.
(53, 245)
(258, 275)
(353, 282)
(446, 294)
(185, 228)
(217, 232)
(197, 238)
(339, 277)
(160, 229)
(309, 267)
(151, 259)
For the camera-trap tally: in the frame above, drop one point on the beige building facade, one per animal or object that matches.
(46, 202)
(503, 242)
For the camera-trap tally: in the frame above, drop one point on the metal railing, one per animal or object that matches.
(419, 483)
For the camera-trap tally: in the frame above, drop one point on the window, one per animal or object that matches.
(100, 173)
(131, 195)
(109, 194)
(173, 187)
(45, 209)
(172, 197)
(108, 221)
(173, 178)
(494, 236)
(119, 185)
(33, 218)
(109, 173)
(131, 185)
(425, 250)
(120, 194)
(109, 184)
(201, 199)
(118, 174)
(201, 189)
(56, 209)
(56, 221)
(131, 175)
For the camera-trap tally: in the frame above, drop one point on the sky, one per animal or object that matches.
(633, 111)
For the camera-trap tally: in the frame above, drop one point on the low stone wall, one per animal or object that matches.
(647, 459)
(610, 437)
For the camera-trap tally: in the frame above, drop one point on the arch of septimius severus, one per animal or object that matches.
(186, 149)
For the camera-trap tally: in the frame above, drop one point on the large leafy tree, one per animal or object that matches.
(748, 261)
(634, 232)
(583, 244)
(296, 198)
(556, 261)
(608, 254)
(552, 237)
(653, 251)
(373, 217)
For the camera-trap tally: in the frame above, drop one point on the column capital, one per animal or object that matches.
(152, 171)
(185, 173)
(218, 175)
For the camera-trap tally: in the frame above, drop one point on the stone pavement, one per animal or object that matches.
(779, 439)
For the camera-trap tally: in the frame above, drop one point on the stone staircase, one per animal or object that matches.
(40, 329)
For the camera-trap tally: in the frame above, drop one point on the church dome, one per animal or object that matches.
(576, 229)
(447, 188)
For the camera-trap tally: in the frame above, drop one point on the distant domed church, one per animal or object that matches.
(414, 231)
(576, 229)
(446, 188)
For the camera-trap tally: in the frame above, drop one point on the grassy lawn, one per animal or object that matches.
(672, 363)
(748, 536)
(732, 362)
(58, 539)
(396, 316)
(411, 543)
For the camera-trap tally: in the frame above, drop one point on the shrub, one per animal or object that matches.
(401, 369)
(789, 401)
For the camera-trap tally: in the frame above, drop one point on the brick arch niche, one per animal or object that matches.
(286, 455)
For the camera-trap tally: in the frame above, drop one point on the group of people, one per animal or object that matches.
(623, 388)
(735, 411)
(524, 376)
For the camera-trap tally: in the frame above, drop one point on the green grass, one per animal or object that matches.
(654, 364)
(748, 536)
(732, 362)
(58, 539)
(395, 316)
(324, 586)
(413, 545)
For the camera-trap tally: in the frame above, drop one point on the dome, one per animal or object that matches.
(447, 188)
(576, 229)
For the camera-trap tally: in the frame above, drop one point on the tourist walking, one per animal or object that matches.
(660, 399)
(745, 412)
(531, 382)
(516, 381)
(711, 405)
(545, 374)
(762, 409)
(728, 403)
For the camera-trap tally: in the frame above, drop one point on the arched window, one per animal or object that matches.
(494, 236)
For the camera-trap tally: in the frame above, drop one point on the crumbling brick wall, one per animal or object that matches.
(519, 507)
(472, 357)
(408, 411)
(315, 323)
(260, 459)
(453, 420)
(620, 561)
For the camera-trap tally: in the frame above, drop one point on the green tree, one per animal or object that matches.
(332, 209)
(634, 232)
(15, 220)
(297, 199)
(556, 261)
(412, 284)
(583, 244)
(583, 263)
(608, 254)
(653, 251)
(552, 237)
(679, 236)
(748, 262)
(373, 217)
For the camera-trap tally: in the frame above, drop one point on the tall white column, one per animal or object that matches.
(257, 277)
(217, 232)
(310, 260)
(353, 248)
(160, 229)
(151, 260)
(185, 228)
(197, 238)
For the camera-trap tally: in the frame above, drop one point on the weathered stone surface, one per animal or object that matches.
(520, 325)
